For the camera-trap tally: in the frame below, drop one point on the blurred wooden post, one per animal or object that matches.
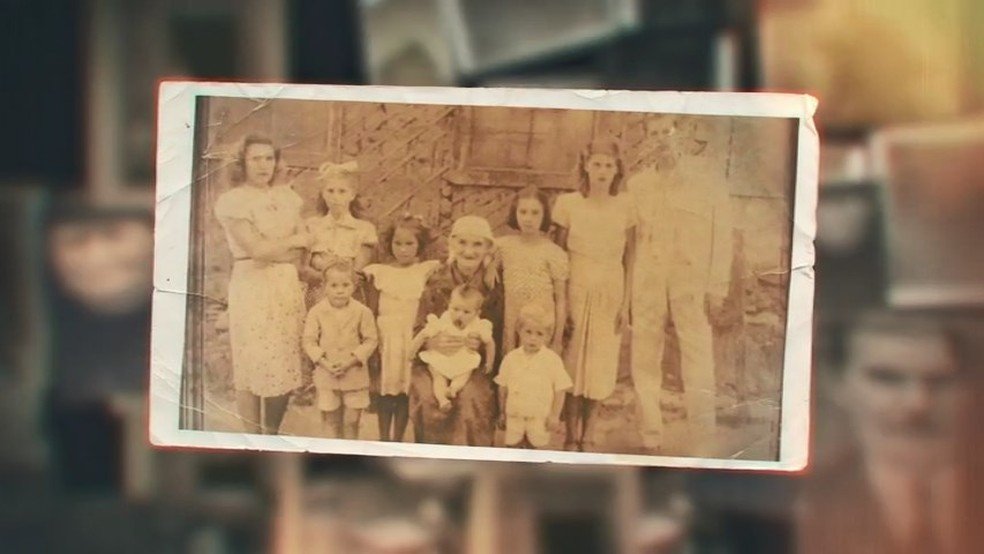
(286, 482)
(192, 397)
(627, 508)
(139, 475)
(484, 521)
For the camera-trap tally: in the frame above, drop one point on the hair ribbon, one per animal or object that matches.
(330, 170)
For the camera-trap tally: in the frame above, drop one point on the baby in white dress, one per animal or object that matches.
(451, 367)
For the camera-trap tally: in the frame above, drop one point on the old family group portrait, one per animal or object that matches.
(515, 277)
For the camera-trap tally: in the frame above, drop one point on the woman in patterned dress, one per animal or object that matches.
(263, 226)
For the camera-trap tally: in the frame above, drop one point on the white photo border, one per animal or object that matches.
(175, 161)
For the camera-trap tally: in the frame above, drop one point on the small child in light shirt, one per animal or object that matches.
(450, 370)
(532, 380)
(339, 336)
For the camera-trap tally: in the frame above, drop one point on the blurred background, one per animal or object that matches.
(901, 89)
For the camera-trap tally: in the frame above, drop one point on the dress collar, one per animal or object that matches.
(348, 221)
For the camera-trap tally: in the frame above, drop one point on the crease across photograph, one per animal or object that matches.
(596, 277)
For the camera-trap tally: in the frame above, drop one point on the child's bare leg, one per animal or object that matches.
(332, 422)
(401, 416)
(457, 384)
(440, 384)
(587, 406)
(572, 420)
(351, 423)
(385, 409)
(275, 407)
(248, 405)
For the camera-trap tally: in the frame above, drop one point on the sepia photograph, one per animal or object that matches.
(529, 275)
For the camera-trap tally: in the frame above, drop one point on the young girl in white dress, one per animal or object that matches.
(598, 230)
(535, 270)
(399, 284)
(450, 370)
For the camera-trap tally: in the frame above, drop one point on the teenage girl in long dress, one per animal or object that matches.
(597, 229)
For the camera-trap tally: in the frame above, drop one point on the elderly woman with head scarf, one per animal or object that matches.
(472, 420)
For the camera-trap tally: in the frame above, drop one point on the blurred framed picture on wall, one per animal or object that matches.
(850, 249)
(934, 212)
(406, 42)
(132, 45)
(24, 331)
(493, 35)
(879, 62)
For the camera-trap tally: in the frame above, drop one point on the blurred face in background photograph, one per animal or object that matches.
(106, 264)
(904, 395)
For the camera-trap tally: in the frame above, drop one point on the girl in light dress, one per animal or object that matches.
(535, 270)
(338, 235)
(399, 284)
(598, 230)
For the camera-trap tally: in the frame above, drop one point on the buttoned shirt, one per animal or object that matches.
(335, 333)
(342, 237)
(532, 380)
(685, 225)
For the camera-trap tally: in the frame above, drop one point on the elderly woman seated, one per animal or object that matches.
(472, 419)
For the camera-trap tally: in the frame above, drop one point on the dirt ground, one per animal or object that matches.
(748, 431)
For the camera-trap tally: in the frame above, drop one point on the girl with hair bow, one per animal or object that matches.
(338, 234)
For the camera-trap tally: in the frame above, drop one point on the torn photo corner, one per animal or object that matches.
(573, 276)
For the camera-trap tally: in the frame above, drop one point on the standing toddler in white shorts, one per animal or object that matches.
(532, 381)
